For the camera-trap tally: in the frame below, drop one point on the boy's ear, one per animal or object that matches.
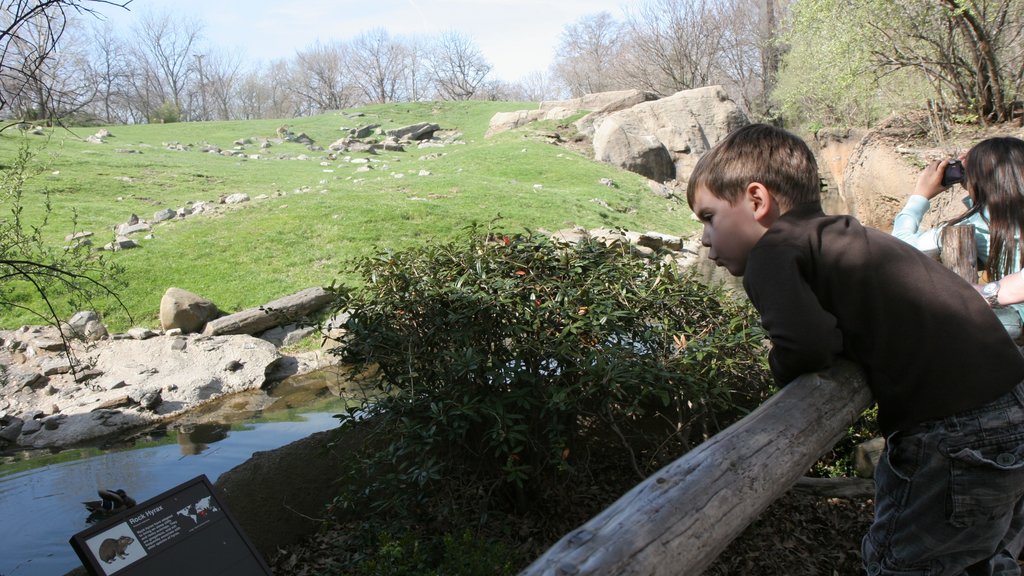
(764, 205)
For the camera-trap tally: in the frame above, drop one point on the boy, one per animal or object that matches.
(945, 375)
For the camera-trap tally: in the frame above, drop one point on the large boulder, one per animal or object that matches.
(662, 139)
(184, 310)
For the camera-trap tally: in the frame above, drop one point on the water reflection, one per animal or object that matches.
(41, 508)
(194, 438)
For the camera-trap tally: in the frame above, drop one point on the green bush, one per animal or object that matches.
(510, 362)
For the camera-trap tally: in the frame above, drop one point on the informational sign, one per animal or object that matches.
(185, 530)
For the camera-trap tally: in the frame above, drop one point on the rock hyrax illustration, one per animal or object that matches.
(110, 548)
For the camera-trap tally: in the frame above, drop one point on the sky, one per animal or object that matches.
(517, 37)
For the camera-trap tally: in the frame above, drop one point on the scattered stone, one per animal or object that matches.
(50, 345)
(77, 236)
(421, 131)
(55, 365)
(87, 326)
(121, 243)
(236, 198)
(22, 379)
(140, 333)
(165, 214)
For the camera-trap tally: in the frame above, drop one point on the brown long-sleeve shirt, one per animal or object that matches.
(826, 286)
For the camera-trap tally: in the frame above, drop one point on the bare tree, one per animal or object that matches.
(748, 61)
(264, 92)
(418, 85)
(219, 76)
(30, 32)
(378, 65)
(318, 78)
(587, 54)
(458, 66)
(109, 73)
(164, 53)
(673, 45)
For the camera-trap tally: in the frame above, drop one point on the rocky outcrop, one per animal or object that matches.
(61, 387)
(663, 139)
(870, 173)
(660, 138)
(598, 104)
(99, 389)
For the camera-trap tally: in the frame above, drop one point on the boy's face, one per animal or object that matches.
(730, 230)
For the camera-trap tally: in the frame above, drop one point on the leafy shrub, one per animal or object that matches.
(166, 113)
(511, 361)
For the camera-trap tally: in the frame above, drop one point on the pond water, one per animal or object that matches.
(42, 507)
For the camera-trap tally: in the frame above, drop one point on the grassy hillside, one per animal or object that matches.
(320, 212)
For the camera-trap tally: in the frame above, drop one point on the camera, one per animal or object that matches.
(954, 173)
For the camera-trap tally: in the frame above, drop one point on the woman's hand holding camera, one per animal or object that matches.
(938, 176)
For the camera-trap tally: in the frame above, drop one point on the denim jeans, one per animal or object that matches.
(949, 495)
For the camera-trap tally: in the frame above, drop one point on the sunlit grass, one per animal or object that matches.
(318, 213)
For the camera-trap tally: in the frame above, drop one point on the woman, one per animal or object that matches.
(994, 180)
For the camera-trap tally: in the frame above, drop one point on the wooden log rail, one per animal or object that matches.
(677, 521)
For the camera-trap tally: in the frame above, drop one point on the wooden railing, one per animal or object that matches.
(679, 520)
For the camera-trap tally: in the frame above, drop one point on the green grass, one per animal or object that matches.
(321, 213)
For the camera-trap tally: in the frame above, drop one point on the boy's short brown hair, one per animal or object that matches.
(758, 153)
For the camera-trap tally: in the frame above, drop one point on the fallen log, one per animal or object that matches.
(680, 519)
(277, 313)
(851, 488)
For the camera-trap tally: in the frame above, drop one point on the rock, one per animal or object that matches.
(663, 139)
(86, 325)
(185, 310)
(139, 333)
(19, 379)
(50, 345)
(120, 243)
(421, 131)
(364, 131)
(55, 365)
(281, 311)
(278, 495)
(165, 214)
(236, 198)
(129, 229)
(31, 426)
(151, 399)
(12, 426)
(600, 103)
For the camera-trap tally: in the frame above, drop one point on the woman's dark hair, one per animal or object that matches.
(994, 177)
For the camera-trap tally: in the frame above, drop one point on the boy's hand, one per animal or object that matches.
(929, 182)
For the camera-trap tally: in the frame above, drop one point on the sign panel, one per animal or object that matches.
(185, 530)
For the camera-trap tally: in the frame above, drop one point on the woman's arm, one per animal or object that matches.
(906, 226)
(1011, 289)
